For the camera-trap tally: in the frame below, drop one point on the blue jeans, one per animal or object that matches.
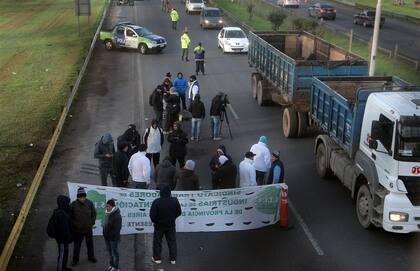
(114, 256)
(195, 128)
(215, 126)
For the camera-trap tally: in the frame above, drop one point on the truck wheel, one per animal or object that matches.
(303, 123)
(109, 45)
(143, 49)
(364, 207)
(321, 162)
(261, 94)
(254, 82)
(290, 123)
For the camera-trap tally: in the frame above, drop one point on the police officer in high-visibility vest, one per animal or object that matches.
(185, 44)
(199, 58)
(174, 18)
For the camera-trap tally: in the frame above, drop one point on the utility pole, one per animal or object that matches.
(372, 63)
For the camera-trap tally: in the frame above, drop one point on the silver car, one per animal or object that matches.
(211, 18)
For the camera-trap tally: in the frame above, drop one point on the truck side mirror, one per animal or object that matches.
(373, 144)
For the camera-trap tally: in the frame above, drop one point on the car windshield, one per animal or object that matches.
(196, 1)
(370, 13)
(409, 141)
(235, 34)
(141, 31)
(212, 13)
(326, 6)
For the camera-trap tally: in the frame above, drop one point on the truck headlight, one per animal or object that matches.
(206, 21)
(398, 217)
(401, 186)
(220, 21)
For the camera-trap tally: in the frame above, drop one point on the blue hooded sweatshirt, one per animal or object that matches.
(181, 85)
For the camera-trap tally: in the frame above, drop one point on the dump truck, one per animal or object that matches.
(286, 62)
(371, 142)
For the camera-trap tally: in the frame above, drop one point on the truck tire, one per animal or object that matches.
(143, 49)
(109, 45)
(303, 123)
(262, 98)
(290, 123)
(321, 162)
(364, 207)
(254, 82)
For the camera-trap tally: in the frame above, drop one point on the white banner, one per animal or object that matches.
(202, 211)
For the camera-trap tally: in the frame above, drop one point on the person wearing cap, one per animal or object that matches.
(163, 213)
(199, 58)
(178, 145)
(262, 159)
(181, 86)
(194, 88)
(276, 174)
(174, 18)
(139, 167)
(247, 174)
(225, 175)
(111, 233)
(186, 179)
(185, 45)
(83, 217)
(198, 113)
(156, 101)
(173, 107)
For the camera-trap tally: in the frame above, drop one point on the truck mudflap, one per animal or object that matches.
(400, 215)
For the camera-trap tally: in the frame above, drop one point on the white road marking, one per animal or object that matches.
(306, 230)
(233, 112)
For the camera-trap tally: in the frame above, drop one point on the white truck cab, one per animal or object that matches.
(194, 6)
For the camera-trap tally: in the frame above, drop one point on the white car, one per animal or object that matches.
(194, 6)
(288, 3)
(233, 39)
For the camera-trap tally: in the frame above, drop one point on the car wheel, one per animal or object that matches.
(143, 49)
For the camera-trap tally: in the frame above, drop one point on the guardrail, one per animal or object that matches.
(24, 211)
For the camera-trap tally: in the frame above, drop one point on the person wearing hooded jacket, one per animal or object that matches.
(225, 175)
(120, 165)
(178, 145)
(163, 213)
(104, 151)
(63, 232)
(111, 232)
(198, 113)
(153, 138)
(262, 159)
(165, 173)
(247, 175)
(132, 137)
(221, 150)
(186, 179)
(181, 86)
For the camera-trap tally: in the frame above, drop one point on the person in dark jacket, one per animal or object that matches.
(104, 151)
(163, 213)
(199, 58)
(173, 107)
(276, 174)
(83, 217)
(156, 100)
(132, 137)
(111, 232)
(214, 162)
(217, 106)
(198, 113)
(165, 173)
(225, 175)
(186, 179)
(120, 165)
(63, 231)
(178, 145)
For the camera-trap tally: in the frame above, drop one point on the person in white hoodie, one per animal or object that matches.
(139, 167)
(247, 175)
(262, 159)
(153, 138)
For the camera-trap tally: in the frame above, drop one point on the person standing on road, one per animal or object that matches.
(111, 233)
(174, 18)
(163, 213)
(156, 100)
(186, 179)
(153, 138)
(247, 174)
(181, 86)
(104, 151)
(173, 107)
(276, 174)
(83, 217)
(193, 89)
(216, 115)
(262, 159)
(198, 113)
(139, 167)
(165, 173)
(199, 59)
(132, 137)
(214, 162)
(225, 175)
(62, 231)
(120, 165)
(185, 45)
(178, 148)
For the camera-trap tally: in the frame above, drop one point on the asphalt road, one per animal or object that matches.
(114, 92)
(405, 34)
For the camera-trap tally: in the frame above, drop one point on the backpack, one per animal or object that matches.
(52, 226)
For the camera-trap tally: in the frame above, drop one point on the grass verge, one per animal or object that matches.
(407, 9)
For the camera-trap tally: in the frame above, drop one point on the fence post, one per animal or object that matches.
(351, 40)
(394, 58)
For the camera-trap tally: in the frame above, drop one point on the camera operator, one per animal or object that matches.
(218, 105)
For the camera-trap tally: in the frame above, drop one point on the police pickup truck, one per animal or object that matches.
(129, 35)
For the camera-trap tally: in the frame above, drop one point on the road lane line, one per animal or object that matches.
(306, 230)
(233, 112)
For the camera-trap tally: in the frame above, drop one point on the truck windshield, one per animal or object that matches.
(409, 142)
(141, 31)
(235, 34)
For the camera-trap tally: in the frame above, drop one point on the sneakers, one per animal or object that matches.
(156, 261)
(192, 138)
(173, 262)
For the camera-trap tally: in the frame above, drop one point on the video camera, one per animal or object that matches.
(224, 99)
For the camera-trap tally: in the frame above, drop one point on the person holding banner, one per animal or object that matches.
(163, 213)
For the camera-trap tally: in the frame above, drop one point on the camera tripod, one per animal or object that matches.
(224, 116)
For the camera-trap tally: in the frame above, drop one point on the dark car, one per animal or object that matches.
(367, 18)
(323, 11)
(125, 2)
(211, 18)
